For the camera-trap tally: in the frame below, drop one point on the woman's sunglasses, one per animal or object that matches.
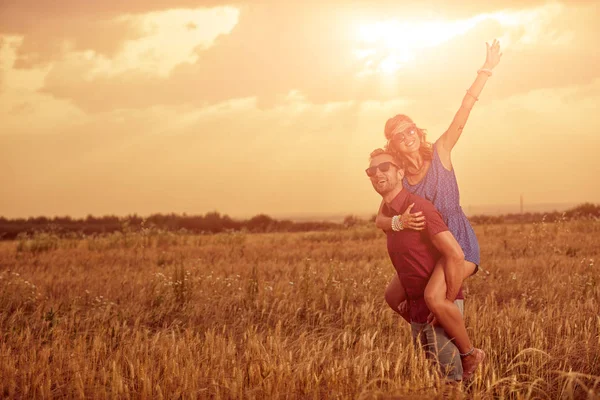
(383, 167)
(399, 137)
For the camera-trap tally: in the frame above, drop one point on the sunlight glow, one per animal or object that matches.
(386, 46)
(393, 43)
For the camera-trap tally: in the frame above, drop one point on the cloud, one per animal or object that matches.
(168, 39)
(276, 49)
(50, 30)
(186, 159)
(275, 100)
(532, 143)
(51, 39)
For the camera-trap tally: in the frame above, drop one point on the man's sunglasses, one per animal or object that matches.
(383, 167)
(399, 137)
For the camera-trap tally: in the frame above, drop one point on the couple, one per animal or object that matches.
(430, 241)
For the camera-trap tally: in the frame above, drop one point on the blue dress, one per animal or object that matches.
(439, 186)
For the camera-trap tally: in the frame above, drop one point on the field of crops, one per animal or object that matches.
(154, 314)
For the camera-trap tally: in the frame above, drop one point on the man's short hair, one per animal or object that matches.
(380, 151)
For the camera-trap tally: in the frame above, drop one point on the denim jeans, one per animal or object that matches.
(438, 347)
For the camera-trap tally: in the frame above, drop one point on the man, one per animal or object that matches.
(414, 255)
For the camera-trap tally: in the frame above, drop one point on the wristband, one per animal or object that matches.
(486, 71)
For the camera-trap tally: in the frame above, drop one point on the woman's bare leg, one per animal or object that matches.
(449, 316)
(446, 312)
(395, 295)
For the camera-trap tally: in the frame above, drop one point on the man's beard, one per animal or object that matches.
(385, 190)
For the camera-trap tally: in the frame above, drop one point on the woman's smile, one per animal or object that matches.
(409, 143)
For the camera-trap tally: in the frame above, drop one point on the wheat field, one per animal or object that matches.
(154, 314)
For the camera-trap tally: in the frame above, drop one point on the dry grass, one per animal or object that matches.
(159, 315)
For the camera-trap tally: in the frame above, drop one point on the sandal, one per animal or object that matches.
(478, 356)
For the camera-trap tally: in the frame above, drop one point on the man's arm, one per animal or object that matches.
(455, 258)
(382, 221)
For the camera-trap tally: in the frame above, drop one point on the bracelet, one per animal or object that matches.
(397, 224)
(486, 71)
(472, 95)
(468, 353)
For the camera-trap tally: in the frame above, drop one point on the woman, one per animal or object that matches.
(429, 173)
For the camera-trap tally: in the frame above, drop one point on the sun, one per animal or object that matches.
(387, 46)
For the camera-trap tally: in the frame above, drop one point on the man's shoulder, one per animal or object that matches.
(421, 203)
(435, 221)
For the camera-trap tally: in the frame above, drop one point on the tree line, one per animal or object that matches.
(582, 211)
(214, 222)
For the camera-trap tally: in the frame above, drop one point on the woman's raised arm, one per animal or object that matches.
(450, 137)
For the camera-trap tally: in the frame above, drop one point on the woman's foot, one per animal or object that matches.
(471, 362)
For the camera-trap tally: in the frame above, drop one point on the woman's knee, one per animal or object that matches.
(470, 269)
(434, 299)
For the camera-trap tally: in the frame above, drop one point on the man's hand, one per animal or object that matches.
(404, 309)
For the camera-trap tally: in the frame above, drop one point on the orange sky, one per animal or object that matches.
(251, 107)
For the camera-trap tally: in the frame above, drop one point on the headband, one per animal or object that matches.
(404, 125)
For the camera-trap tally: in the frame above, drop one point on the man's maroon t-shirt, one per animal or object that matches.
(412, 252)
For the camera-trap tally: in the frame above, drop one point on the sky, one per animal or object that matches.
(248, 107)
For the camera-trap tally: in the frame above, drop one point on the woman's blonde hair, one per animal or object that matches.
(426, 148)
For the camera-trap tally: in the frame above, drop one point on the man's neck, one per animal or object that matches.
(391, 195)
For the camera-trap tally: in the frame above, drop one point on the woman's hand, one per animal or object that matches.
(415, 221)
(492, 57)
